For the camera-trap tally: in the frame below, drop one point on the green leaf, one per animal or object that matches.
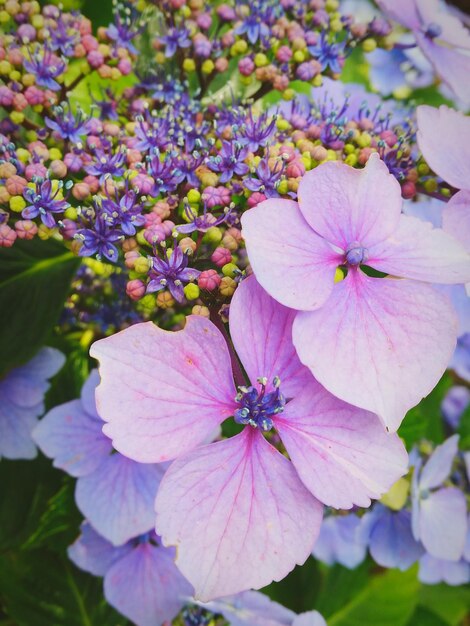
(425, 421)
(298, 590)
(388, 600)
(339, 586)
(35, 279)
(41, 588)
(423, 617)
(451, 604)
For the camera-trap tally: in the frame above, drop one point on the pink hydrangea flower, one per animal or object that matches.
(444, 140)
(380, 344)
(239, 512)
(442, 37)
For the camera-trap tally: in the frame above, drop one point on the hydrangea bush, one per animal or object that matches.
(234, 293)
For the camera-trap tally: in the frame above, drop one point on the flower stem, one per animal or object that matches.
(238, 375)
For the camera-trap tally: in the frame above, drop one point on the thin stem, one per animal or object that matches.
(238, 375)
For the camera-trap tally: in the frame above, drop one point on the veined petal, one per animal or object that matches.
(438, 467)
(402, 11)
(342, 454)
(345, 205)
(72, 438)
(444, 139)
(162, 393)
(456, 217)
(293, 264)
(391, 540)
(146, 586)
(419, 251)
(117, 498)
(261, 330)
(433, 571)
(93, 553)
(377, 337)
(238, 515)
(443, 523)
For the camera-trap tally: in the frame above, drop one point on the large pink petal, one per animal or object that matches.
(419, 251)
(293, 264)
(402, 11)
(456, 217)
(163, 393)
(451, 64)
(146, 586)
(342, 454)
(238, 515)
(378, 343)
(444, 139)
(261, 330)
(347, 206)
(453, 32)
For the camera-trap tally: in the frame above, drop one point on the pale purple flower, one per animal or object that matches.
(455, 402)
(340, 541)
(22, 393)
(252, 608)
(140, 578)
(439, 512)
(240, 513)
(377, 334)
(433, 571)
(441, 36)
(114, 493)
(390, 538)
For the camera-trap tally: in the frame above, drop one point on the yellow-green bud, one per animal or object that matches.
(229, 269)
(194, 196)
(141, 265)
(213, 235)
(282, 124)
(288, 94)
(397, 495)
(351, 160)
(189, 65)
(364, 140)
(71, 213)
(261, 60)
(17, 117)
(299, 56)
(369, 45)
(208, 66)
(17, 203)
(430, 185)
(283, 187)
(317, 81)
(191, 291)
(423, 169)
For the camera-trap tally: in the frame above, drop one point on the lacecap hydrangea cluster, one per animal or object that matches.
(270, 289)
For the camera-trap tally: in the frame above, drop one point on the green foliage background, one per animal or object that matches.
(39, 586)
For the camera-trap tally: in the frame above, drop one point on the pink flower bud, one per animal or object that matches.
(19, 102)
(152, 219)
(95, 59)
(389, 137)
(135, 289)
(58, 168)
(255, 199)
(80, 191)
(155, 234)
(246, 66)
(69, 228)
(295, 169)
(130, 258)
(26, 229)
(6, 96)
(168, 227)
(34, 95)
(35, 169)
(15, 185)
(364, 155)
(221, 256)
(73, 162)
(7, 236)
(408, 190)
(209, 280)
(143, 183)
(125, 67)
(14, 56)
(92, 182)
(89, 43)
(284, 54)
(221, 65)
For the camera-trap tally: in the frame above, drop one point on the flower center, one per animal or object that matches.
(257, 406)
(433, 30)
(356, 254)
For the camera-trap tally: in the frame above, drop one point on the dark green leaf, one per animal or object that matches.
(451, 604)
(339, 586)
(41, 588)
(423, 617)
(35, 278)
(299, 589)
(389, 599)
